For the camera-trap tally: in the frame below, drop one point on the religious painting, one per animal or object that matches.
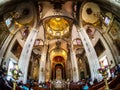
(117, 44)
(115, 30)
(16, 49)
(35, 72)
(114, 33)
(81, 64)
(99, 48)
(58, 74)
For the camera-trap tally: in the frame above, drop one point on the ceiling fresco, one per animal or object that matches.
(111, 5)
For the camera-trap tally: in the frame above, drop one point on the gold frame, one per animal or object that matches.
(114, 30)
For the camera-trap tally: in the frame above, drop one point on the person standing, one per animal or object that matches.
(85, 87)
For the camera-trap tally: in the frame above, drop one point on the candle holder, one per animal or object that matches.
(103, 70)
(16, 73)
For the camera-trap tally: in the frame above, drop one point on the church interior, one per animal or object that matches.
(63, 42)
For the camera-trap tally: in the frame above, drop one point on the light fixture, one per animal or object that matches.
(50, 31)
(58, 34)
(57, 18)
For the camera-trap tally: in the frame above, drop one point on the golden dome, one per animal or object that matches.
(58, 23)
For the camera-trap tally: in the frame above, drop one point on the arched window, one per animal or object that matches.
(77, 41)
(38, 42)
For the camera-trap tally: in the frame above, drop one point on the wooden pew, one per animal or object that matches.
(18, 88)
(39, 88)
(117, 87)
(97, 86)
(113, 83)
(75, 86)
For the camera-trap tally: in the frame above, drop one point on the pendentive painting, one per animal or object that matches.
(99, 48)
(114, 33)
(16, 49)
(115, 30)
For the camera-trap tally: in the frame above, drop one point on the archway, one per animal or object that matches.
(58, 68)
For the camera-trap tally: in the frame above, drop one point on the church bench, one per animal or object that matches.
(97, 86)
(75, 87)
(39, 88)
(117, 87)
(113, 83)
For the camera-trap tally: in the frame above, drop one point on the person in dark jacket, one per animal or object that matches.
(2, 82)
(95, 81)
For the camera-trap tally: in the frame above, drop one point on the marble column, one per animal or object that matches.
(90, 53)
(48, 68)
(4, 47)
(26, 53)
(6, 44)
(42, 64)
(68, 66)
(74, 66)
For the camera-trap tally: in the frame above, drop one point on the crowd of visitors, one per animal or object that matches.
(31, 84)
(4, 83)
(8, 84)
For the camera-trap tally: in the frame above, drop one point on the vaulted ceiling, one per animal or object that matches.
(110, 5)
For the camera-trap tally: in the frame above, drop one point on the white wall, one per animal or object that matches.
(107, 51)
(9, 54)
